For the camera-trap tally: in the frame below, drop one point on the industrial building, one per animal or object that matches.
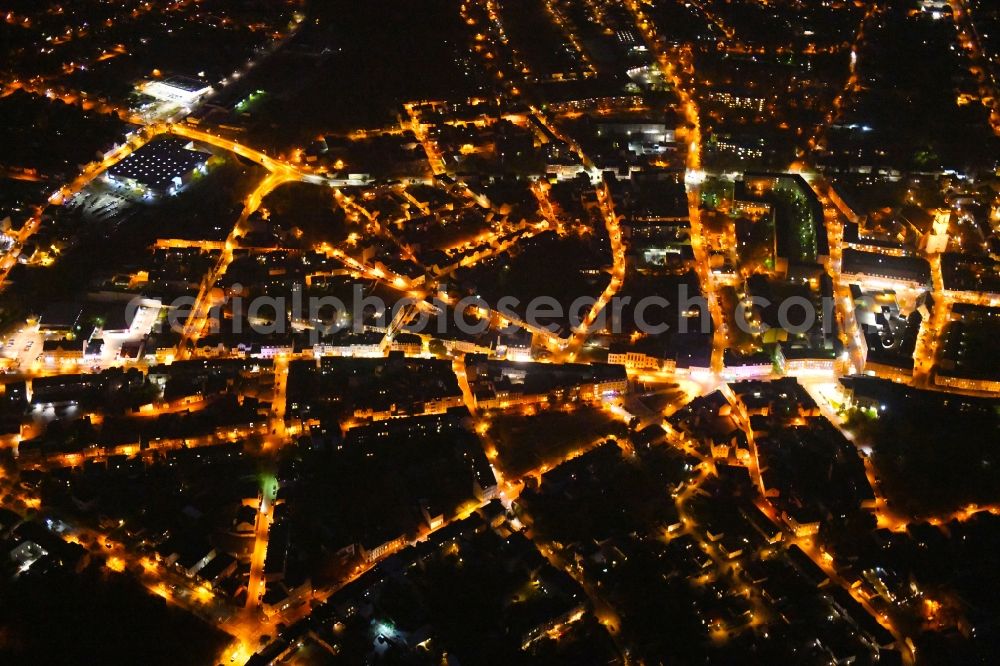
(160, 167)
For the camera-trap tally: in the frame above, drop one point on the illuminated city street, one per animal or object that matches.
(483, 331)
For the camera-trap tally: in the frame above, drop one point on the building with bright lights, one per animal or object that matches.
(160, 167)
(181, 90)
(937, 241)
